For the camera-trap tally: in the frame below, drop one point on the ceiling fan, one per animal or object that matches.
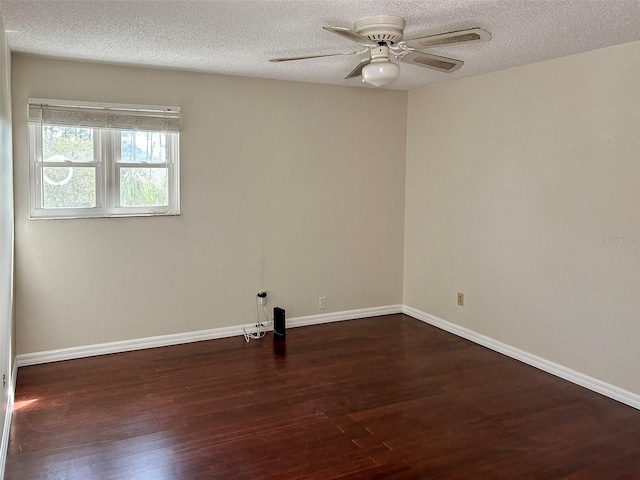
(381, 38)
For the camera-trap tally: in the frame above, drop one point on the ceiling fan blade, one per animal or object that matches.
(357, 71)
(436, 62)
(350, 35)
(470, 35)
(304, 57)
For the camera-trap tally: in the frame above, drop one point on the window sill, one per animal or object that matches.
(93, 217)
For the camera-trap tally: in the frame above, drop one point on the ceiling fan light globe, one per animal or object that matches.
(380, 74)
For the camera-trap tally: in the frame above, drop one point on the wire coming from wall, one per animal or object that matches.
(261, 327)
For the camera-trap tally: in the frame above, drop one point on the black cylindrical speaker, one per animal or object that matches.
(279, 324)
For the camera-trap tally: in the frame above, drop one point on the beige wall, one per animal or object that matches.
(285, 186)
(514, 179)
(514, 182)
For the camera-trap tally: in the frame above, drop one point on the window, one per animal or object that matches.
(103, 160)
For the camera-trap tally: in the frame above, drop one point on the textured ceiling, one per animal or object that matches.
(237, 37)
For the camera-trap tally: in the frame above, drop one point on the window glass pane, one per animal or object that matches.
(148, 147)
(67, 144)
(70, 187)
(144, 187)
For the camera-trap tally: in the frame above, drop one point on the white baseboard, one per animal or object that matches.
(71, 353)
(604, 388)
(4, 444)
(346, 315)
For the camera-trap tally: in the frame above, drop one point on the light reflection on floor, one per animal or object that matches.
(23, 404)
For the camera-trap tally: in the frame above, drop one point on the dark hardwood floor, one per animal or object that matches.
(381, 398)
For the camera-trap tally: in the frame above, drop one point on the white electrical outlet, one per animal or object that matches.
(322, 303)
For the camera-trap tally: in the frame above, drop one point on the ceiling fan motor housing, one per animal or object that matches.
(380, 54)
(381, 28)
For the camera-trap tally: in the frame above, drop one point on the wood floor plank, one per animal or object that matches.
(378, 398)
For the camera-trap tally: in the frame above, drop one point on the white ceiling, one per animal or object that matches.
(237, 37)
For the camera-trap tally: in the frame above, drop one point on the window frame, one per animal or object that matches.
(171, 155)
(107, 164)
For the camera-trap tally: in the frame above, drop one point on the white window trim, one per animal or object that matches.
(107, 163)
(172, 154)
